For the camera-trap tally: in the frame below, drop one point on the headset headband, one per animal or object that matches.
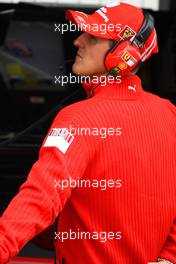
(145, 30)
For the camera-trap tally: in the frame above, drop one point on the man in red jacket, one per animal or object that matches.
(107, 164)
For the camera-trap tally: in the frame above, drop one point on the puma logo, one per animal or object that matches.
(133, 88)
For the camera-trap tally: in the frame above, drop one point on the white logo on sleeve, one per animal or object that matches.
(60, 138)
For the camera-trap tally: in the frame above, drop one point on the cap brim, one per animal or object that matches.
(87, 23)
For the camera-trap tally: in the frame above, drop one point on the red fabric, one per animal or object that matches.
(120, 14)
(143, 157)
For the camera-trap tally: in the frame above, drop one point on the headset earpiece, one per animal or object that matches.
(122, 59)
(125, 55)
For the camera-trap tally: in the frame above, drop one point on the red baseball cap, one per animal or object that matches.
(113, 21)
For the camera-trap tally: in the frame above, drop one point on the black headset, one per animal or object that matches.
(145, 30)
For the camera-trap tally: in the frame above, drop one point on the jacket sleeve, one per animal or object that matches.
(39, 200)
(168, 251)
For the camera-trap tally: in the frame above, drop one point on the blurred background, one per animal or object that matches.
(32, 53)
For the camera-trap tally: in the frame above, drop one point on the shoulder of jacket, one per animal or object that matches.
(73, 111)
(171, 106)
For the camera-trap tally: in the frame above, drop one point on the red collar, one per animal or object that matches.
(129, 88)
(90, 86)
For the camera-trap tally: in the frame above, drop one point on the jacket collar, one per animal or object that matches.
(128, 87)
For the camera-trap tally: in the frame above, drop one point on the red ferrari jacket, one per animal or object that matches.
(108, 166)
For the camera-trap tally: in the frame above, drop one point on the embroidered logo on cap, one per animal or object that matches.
(60, 138)
(82, 13)
(81, 19)
(127, 33)
(102, 12)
